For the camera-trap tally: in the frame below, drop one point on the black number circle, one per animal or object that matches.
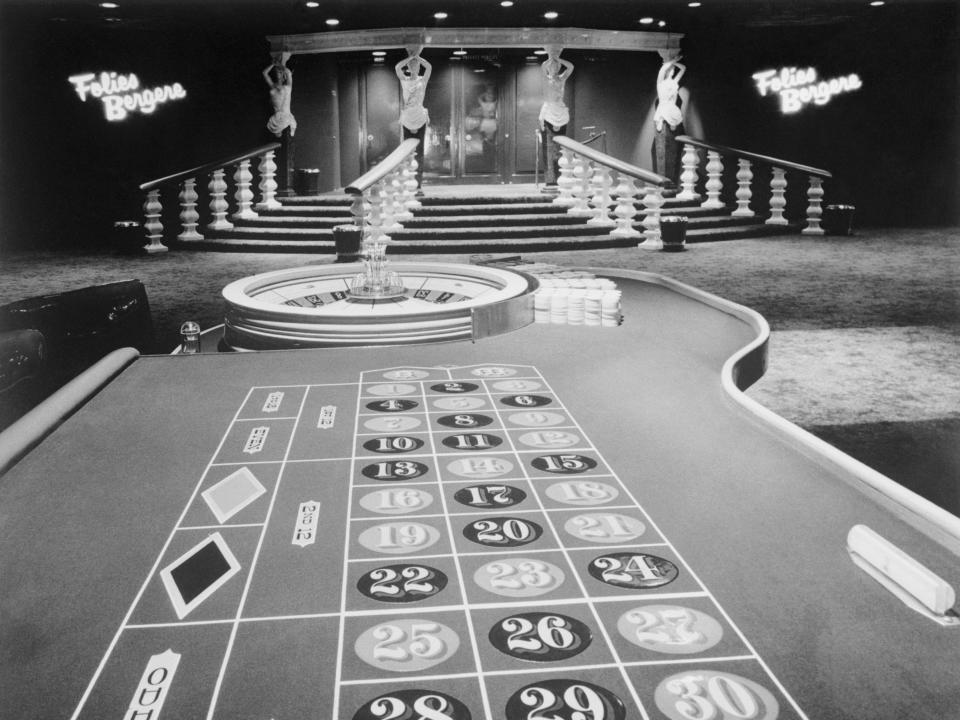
(412, 705)
(502, 531)
(391, 470)
(472, 441)
(490, 496)
(563, 699)
(568, 464)
(392, 405)
(402, 583)
(465, 420)
(633, 570)
(525, 401)
(393, 444)
(540, 636)
(454, 387)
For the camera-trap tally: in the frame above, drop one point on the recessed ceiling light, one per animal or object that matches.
(550, 15)
(440, 15)
(109, 5)
(694, 4)
(332, 22)
(662, 23)
(876, 3)
(460, 52)
(506, 3)
(312, 4)
(646, 20)
(539, 52)
(379, 53)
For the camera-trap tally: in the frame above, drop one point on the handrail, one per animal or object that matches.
(611, 162)
(593, 138)
(723, 150)
(200, 169)
(382, 168)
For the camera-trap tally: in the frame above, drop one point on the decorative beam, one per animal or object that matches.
(384, 39)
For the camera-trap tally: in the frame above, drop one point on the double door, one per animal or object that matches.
(483, 120)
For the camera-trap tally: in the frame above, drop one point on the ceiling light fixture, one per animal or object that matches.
(312, 4)
(109, 5)
(662, 23)
(539, 52)
(440, 15)
(461, 51)
(379, 53)
(694, 4)
(646, 20)
(506, 3)
(877, 3)
(332, 22)
(550, 15)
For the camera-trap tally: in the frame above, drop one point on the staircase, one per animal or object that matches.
(466, 219)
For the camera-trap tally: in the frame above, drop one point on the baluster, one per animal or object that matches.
(189, 216)
(152, 210)
(374, 216)
(688, 178)
(388, 194)
(814, 210)
(243, 179)
(778, 200)
(218, 202)
(581, 188)
(626, 210)
(566, 181)
(268, 183)
(358, 211)
(401, 212)
(652, 203)
(601, 201)
(410, 185)
(744, 193)
(714, 181)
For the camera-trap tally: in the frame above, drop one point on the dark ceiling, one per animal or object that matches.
(268, 17)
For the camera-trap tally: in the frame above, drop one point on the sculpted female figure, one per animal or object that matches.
(280, 81)
(668, 119)
(414, 74)
(554, 114)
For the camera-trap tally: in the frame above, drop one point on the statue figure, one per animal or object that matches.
(414, 117)
(280, 81)
(668, 119)
(554, 114)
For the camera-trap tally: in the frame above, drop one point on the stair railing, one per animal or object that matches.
(217, 187)
(385, 196)
(587, 188)
(745, 160)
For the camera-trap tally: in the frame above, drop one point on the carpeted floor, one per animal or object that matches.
(864, 351)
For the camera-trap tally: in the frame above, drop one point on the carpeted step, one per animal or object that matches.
(294, 222)
(497, 233)
(489, 209)
(338, 211)
(453, 221)
(738, 232)
(428, 200)
(325, 199)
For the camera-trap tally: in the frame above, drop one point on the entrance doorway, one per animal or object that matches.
(483, 119)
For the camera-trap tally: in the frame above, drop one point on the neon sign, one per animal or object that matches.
(121, 94)
(799, 87)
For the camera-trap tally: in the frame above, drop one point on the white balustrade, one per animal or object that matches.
(189, 217)
(688, 178)
(653, 204)
(243, 179)
(218, 202)
(626, 209)
(152, 208)
(744, 193)
(566, 180)
(374, 216)
(778, 200)
(410, 185)
(714, 181)
(601, 201)
(582, 171)
(814, 209)
(388, 194)
(268, 182)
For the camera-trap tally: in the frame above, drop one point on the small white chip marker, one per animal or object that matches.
(918, 588)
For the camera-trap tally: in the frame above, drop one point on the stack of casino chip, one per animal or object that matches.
(574, 297)
(541, 304)
(558, 308)
(575, 303)
(610, 308)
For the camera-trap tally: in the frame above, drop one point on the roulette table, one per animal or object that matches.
(555, 523)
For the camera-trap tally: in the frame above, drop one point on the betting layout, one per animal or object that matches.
(426, 544)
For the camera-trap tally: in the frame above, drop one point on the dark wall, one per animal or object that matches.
(66, 173)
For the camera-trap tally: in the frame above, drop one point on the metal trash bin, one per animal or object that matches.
(673, 232)
(128, 238)
(346, 240)
(308, 181)
(838, 219)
